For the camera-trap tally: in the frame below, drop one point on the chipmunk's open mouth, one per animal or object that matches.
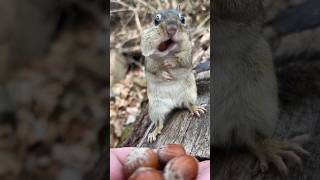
(166, 45)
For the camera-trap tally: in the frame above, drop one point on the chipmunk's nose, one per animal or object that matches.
(172, 29)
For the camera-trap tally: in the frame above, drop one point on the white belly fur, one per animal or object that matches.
(175, 92)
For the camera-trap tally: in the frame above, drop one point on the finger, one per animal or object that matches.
(121, 153)
(116, 171)
(204, 170)
(290, 155)
(281, 166)
(204, 176)
(263, 165)
(298, 149)
(202, 111)
(167, 77)
(301, 139)
(256, 169)
(262, 162)
(197, 113)
(204, 164)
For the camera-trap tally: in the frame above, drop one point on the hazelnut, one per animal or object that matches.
(170, 151)
(144, 173)
(181, 168)
(140, 157)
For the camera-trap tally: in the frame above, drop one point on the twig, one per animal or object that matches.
(132, 9)
(145, 134)
(131, 50)
(122, 3)
(159, 4)
(198, 31)
(118, 10)
(129, 39)
(203, 75)
(147, 5)
(204, 21)
(129, 19)
(171, 4)
(137, 21)
(190, 2)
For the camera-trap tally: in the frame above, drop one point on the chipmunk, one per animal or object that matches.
(245, 98)
(167, 47)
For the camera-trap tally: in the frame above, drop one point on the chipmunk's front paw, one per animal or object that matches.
(280, 153)
(166, 76)
(197, 110)
(152, 137)
(169, 64)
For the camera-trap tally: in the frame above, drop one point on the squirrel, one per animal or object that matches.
(245, 98)
(171, 84)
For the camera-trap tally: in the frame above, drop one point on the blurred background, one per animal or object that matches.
(292, 28)
(52, 88)
(128, 18)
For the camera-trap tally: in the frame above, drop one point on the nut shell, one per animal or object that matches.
(170, 151)
(145, 173)
(140, 157)
(181, 168)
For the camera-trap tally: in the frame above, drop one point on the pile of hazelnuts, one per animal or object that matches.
(165, 163)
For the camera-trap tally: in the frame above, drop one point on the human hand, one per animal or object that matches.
(118, 156)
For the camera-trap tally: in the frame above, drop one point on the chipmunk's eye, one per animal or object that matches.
(182, 20)
(157, 19)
